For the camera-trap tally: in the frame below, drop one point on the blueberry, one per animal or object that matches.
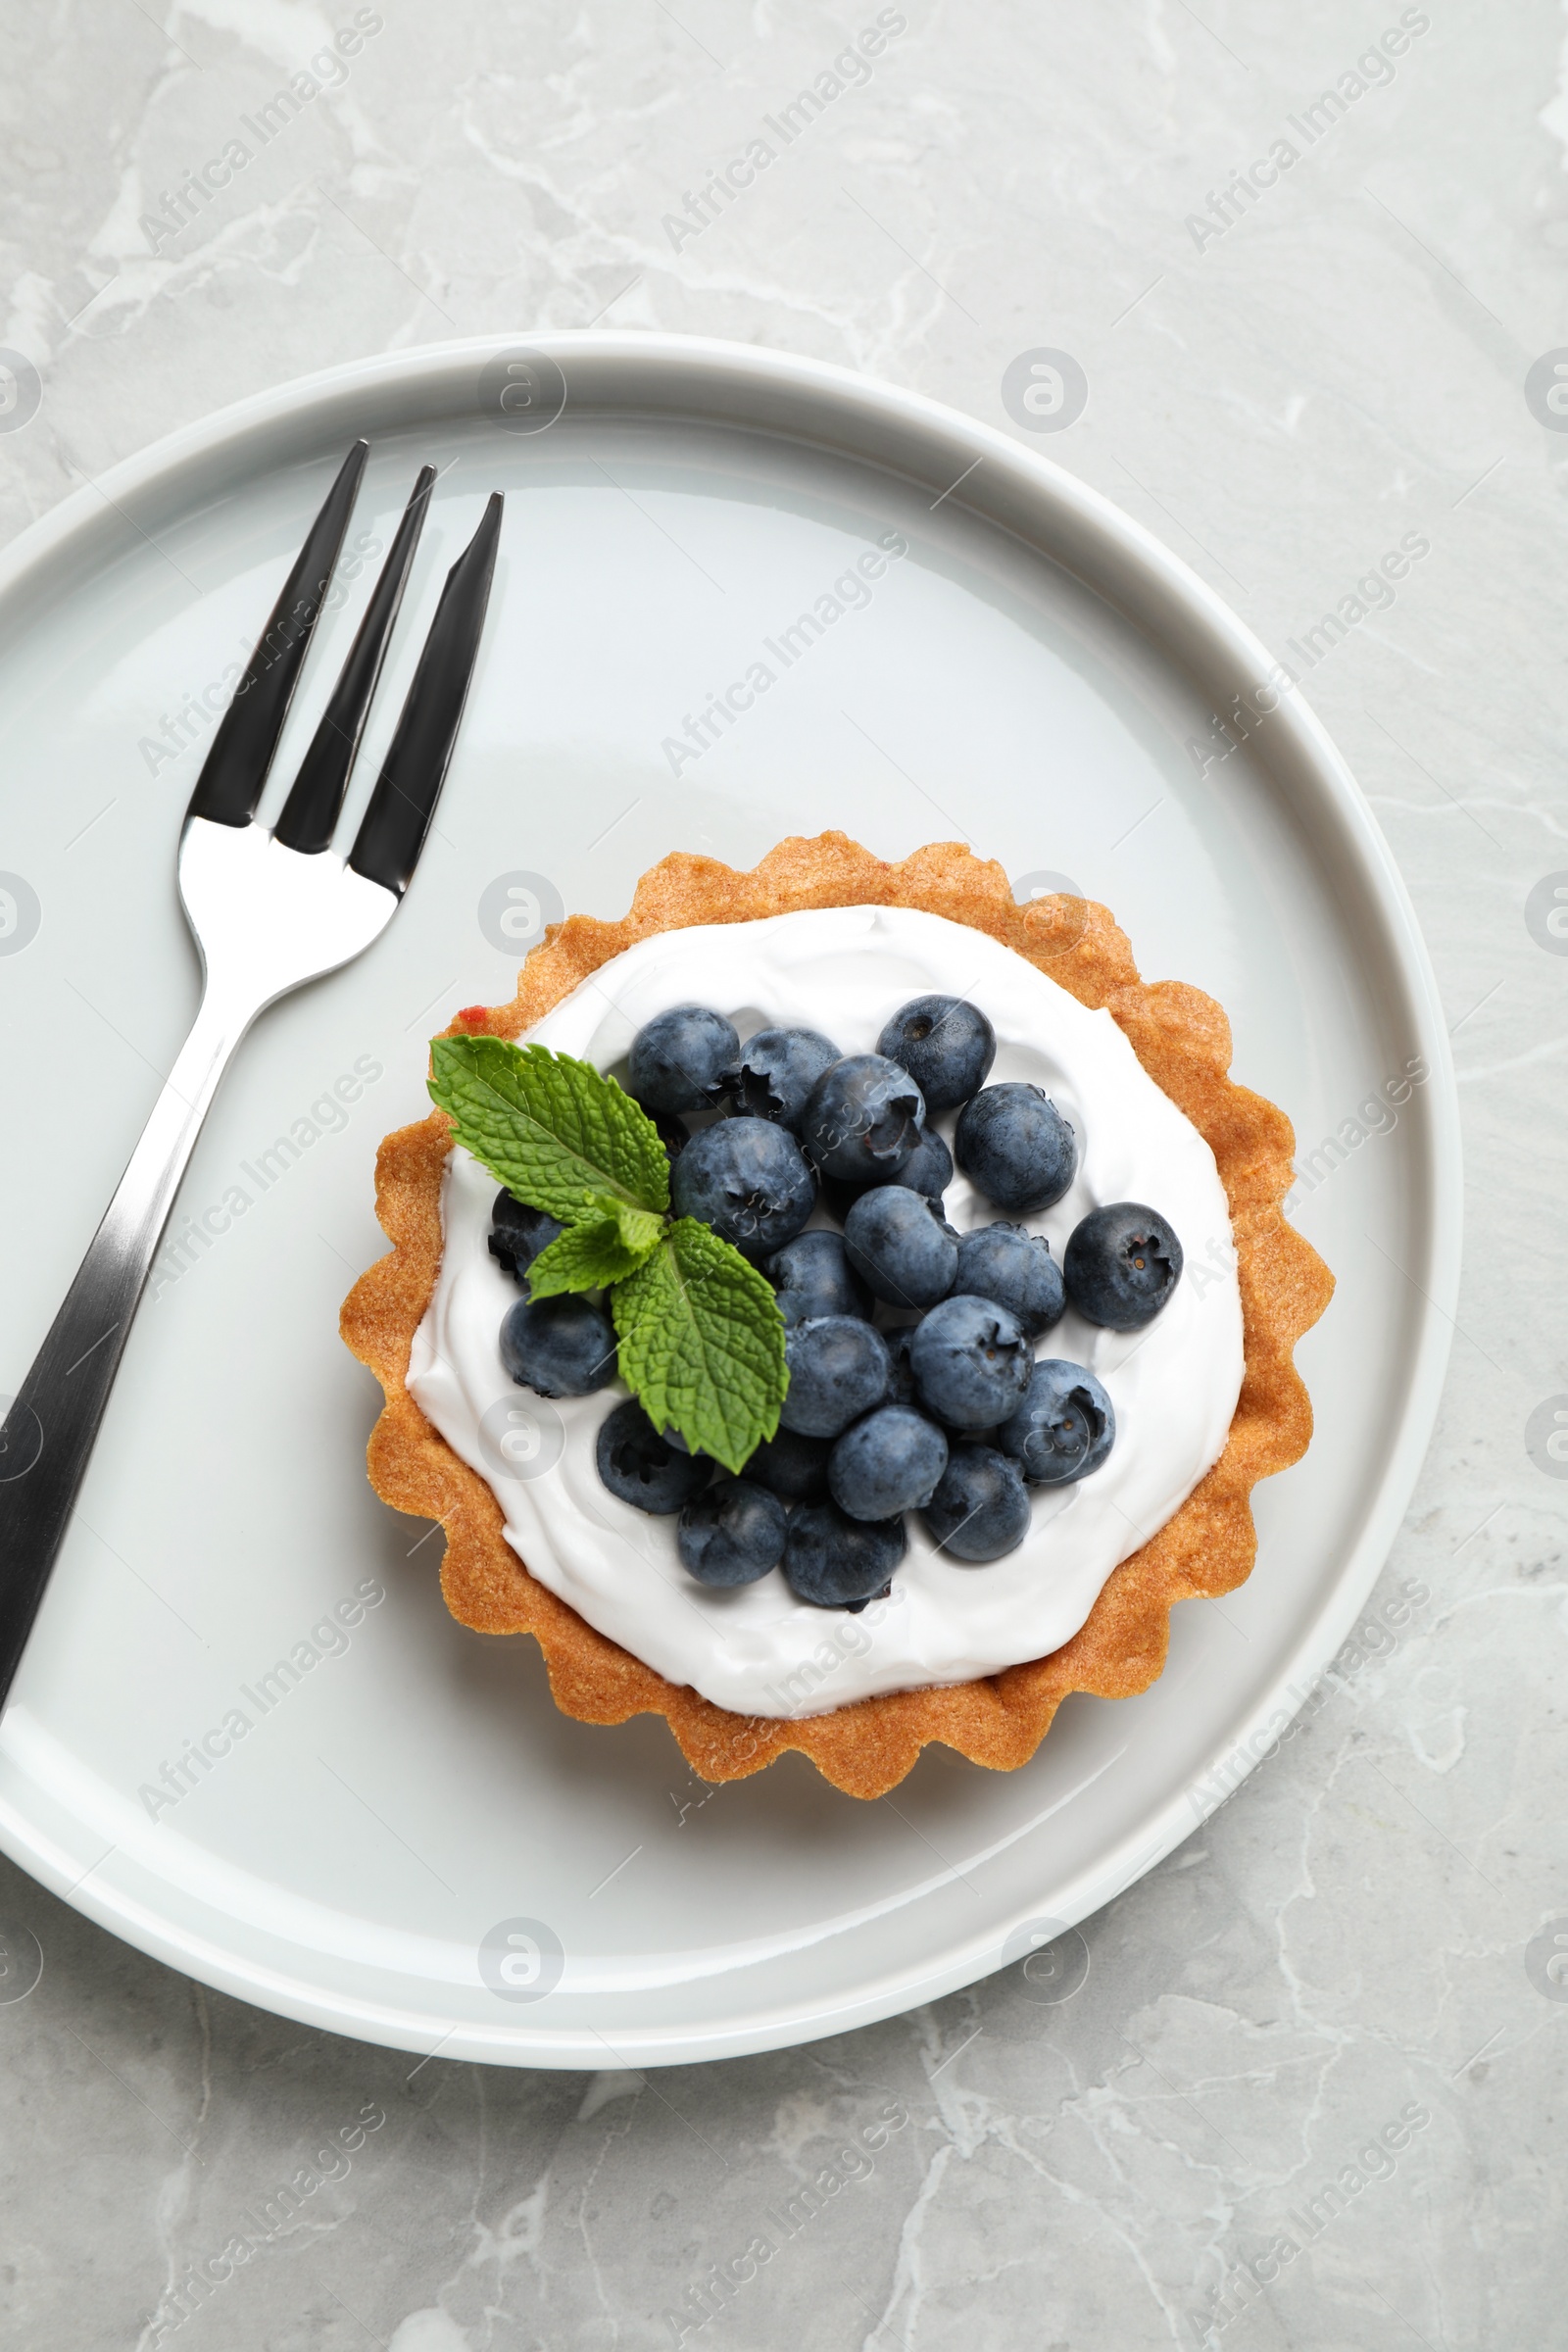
(863, 1119)
(748, 1180)
(1016, 1146)
(778, 1069)
(902, 1245)
(971, 1361)
(563, 1347)
(945, 1045)
(981, 1509)
(792, 1466)
(1063, 1429)
(812, 1277)
(1015, 1269)
(928, 1170)
(518, 1234)
(644, 1469)
(731, 1534)
(683, 1060)
(837, 1562)
(838, 1369)
(886, 1463)
(1121, 1264)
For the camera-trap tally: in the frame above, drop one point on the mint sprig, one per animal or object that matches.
(701, 1343)
(700, 1336)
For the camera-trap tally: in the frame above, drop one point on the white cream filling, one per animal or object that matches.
(756, 1650)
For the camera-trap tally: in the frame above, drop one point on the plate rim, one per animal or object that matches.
(1116, 560)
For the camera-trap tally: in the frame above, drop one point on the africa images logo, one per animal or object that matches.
(1547, 1960)
(1373, 69)
(850, 69)
(522, 1959)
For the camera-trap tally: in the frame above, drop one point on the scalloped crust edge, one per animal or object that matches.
(1182, 1039)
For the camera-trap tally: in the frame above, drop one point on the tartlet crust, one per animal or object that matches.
(1182, 1039)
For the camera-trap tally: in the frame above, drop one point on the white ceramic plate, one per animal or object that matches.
(1030, 677)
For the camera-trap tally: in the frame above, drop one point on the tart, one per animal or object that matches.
(883, 1693)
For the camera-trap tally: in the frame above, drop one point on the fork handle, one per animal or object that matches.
(49, 1431)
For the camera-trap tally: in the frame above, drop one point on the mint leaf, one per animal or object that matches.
(551, 1129)
(641, 1230)
(701, 1339)
(600, 1250)
(701, 1343)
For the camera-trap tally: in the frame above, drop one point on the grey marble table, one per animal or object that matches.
(1310, 265)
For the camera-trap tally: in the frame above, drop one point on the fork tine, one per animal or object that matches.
(311, 808)
(386, 849)
(241, 751)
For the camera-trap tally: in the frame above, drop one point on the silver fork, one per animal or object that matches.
(268, 911)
